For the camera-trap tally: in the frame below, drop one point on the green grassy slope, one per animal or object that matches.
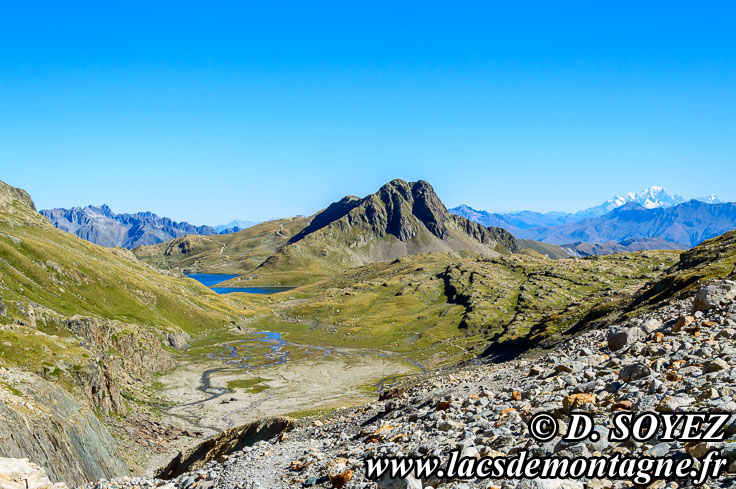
(50, 280)
(712, 259)
(71, 276)
(238, 252)
(441, 308)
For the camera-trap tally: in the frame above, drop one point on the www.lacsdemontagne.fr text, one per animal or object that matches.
(640, 470)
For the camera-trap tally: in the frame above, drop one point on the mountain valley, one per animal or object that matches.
(389, 289)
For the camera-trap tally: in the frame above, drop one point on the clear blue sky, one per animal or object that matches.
(209, 111)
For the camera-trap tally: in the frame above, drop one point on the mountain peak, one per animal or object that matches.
(653, 197)
(8, 194)
(401, 218)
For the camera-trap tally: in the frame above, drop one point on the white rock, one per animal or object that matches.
(550, 484)
(20, 473)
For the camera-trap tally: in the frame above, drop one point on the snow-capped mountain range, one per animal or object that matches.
(651, 213)
(651, 198)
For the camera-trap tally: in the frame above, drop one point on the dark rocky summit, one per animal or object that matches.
(400, 219)
(402, 210)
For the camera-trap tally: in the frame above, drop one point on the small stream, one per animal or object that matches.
(267, 348)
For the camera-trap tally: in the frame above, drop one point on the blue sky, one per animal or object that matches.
(208, 113)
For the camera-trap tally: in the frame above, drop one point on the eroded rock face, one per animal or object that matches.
(44, 423)
(223, 444)
(139, 354)
(402, 209)
(20, 473)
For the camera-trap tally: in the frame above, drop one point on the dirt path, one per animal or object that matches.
(218, 242)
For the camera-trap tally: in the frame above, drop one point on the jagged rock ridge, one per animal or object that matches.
(104, 227)
(401, 210)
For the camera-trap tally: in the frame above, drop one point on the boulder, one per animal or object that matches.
(651, 325)
(683, 322)
(715, 366)
(620, 338)
(578, 401)
(714, 295)
(635, 371)
(178, 340)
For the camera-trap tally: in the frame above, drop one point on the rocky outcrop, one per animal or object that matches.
(123, 356)
(139, 350)
(42, 422)
(223, 444)
(102, 226)
(8, 194)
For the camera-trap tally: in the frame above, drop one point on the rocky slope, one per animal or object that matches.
(679, 357)
(102, 226)
(400, 219)
(44, 423)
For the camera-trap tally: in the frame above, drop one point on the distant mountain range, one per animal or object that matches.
(650, 198)
(104, 227)
(620, 223)
(650, 219)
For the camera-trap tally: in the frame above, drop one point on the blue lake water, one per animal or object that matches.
(210, 279)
